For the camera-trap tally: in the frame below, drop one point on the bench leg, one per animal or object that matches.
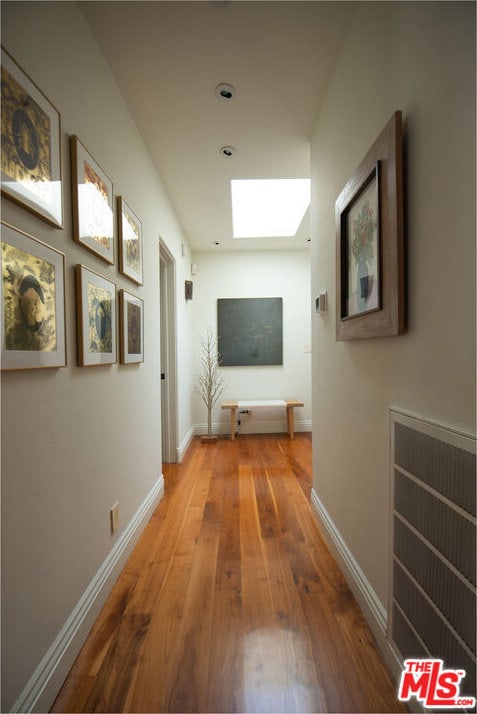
(232, 424)
(290, 423)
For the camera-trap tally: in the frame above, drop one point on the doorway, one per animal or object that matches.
(167, 282)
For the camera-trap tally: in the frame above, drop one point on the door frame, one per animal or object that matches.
(168, 341)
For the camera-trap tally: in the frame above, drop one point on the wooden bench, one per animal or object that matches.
(290, 404)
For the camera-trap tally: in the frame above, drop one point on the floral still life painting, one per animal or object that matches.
(370, 242)
(363, 252)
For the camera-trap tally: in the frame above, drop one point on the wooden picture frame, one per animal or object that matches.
(93, 214)
(31, 145)
(130, 242)
(32, 302)
(131, 321)
(369, 215)
(96, 318)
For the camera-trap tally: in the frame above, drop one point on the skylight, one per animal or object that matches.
(268, 208)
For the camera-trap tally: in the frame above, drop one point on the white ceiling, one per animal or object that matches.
(168, 58)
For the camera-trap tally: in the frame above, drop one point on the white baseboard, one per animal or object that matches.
(372, 607)
(45, 682)
(185, 443)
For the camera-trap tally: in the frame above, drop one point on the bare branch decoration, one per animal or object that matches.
(210, 383)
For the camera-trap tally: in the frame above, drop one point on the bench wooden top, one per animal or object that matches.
(249, 404)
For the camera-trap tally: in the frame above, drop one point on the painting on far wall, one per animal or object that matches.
(250, 331)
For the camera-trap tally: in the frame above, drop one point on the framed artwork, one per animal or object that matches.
(130, 242)
(93, 216)
(131, 317)
(31, 155)
(32, 302)
(360, 276)
(250, 331)
(96, 318)
(370, 242)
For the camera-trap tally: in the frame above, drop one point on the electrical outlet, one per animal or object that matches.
(114, 514)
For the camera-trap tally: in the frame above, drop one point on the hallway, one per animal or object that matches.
(231, 601)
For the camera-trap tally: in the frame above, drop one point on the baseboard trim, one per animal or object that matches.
(45, 682)
(372, 607)
(185, 443)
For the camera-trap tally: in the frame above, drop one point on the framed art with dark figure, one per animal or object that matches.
(96, 318)
(33, 302)
(131, 316)
(31, 154)
(370, 278)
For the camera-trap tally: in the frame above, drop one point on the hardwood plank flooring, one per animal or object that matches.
(231, 601)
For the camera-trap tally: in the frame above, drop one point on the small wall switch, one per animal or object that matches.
(114, 515)
(321, 303)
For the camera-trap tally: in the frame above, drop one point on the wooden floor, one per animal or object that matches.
(231, 601)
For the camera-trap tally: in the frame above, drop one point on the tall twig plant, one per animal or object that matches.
(210, 383)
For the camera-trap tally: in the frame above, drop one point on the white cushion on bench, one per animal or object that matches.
(261, 403)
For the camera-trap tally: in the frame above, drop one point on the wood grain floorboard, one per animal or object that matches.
(231, 600)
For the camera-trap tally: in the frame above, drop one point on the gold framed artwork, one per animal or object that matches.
(131, 321)
(130, 242)
(96, 318)
(32, 302)
(370, 279)
(31, 146)
(93, 216)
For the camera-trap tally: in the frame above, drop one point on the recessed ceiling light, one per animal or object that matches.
(225, 92)
(228, 152)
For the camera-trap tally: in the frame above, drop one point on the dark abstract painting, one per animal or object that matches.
(250, 331)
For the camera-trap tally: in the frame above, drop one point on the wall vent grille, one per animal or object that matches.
(433, 609)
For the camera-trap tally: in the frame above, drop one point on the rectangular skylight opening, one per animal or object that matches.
(268, 208)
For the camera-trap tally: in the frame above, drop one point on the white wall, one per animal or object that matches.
(283, 274)
(420, 58)
(75, 440)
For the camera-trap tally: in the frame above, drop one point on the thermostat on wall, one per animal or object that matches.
(321, 303)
